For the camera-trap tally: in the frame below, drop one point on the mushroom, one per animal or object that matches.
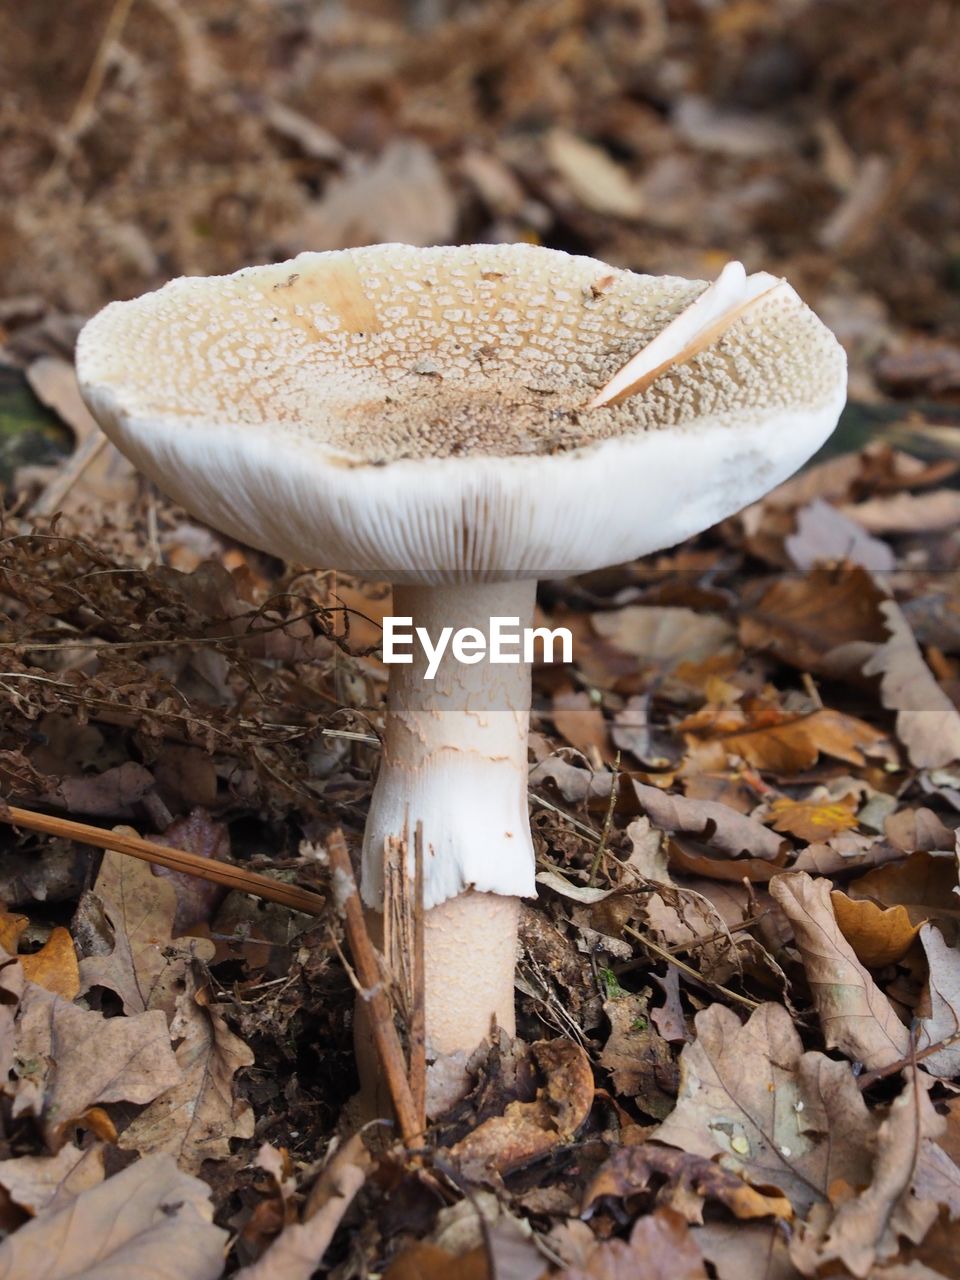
(431, 416)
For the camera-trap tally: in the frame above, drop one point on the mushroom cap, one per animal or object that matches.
(420, 414)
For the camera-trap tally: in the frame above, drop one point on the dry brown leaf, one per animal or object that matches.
(943, 1022)
(779, 1117)
(746, 1250)
(75, 1058)
(527, 1131)
(865, 1228)
(856, 1017)
(922, 884)
(402, 196)
(826, 535)
(816, 619)
(662, 635)
(39, 1182)
(907, 512)
(11, 927)
(879, 935)
(151, 1220)
(812, 820)
(716, 825)
(928, 724)
(147, 965)
(661, 1247)
(196, 1118)
(690, 1180)
(594, 178)
(794, 745)
(637, 1056)
(580, 721)
(298, 1251)
(55, 965)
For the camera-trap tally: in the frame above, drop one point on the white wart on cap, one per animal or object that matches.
(422, 413)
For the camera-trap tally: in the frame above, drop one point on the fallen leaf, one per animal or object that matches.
(746, 1250)
(527, 1131)
(879, 935)
(814, 620)
(150, 1220)
(928, 724)
(943, 1022)
(793, 745)
(54, 966)
(923, 884)
(298, 1251)
(594, 177)
(637, 1057)
(147, 965)
(196, 1118)
(907, 512)
(865, 1228)
(401, 197)
(689, 1181)
(197, 899)
(76, 1058)
(812, 820)
(825, 534)
(717, 825)
(663, 636)
(856, 1017)
(779, 1117)
(580, 721)
(37, 1182)
(661, 1247)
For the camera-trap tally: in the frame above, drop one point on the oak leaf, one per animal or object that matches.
(147, 965)
(37, 1182)
(661, 1247)
(75, 1058)
(879, 935)
(150, 1220)
(196, 1118)
(928, 724)
(856, 1017)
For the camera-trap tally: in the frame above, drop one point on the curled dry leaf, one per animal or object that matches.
(717, 825)
(196, 1118)
(54, 966)
(70, 1059)
(856, 1017)
(879, 935)
(147, 965)
(150, 1220)
(812, 819)
(662, 635)
(928, 724)
(922, 884)
(690, 1180)
(527, 1131)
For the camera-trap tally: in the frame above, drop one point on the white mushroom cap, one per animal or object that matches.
(421, 414)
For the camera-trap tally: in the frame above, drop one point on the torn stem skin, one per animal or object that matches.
(455, 759)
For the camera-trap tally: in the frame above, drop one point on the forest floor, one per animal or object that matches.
(739, 989)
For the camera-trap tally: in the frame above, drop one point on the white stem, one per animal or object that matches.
(455, 759)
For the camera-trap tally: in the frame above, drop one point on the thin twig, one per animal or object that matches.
(368, 969)
(418, 1027)
(607, 822)
(871, 1077)
(190, 864)
(689, 970)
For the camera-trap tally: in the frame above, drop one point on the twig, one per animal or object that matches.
(365, 961)
(418, 1028)
(607, 822)
(690, 971)
(871, 1077)
(191, 864)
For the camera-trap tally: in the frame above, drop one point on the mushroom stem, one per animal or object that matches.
(455, 758)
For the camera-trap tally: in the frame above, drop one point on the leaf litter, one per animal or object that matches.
(739, 998)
